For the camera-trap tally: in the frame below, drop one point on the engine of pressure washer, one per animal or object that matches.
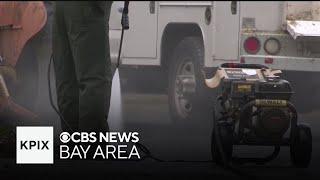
(265, 122)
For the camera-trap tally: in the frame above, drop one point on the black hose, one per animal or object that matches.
(51, 98)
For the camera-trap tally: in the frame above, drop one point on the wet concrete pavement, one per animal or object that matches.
(168, 140)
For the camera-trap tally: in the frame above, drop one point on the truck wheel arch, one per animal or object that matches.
(173, 33)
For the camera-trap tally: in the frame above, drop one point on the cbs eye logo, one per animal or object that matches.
(65, 137)
(78, 137)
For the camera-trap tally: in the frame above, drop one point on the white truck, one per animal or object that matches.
(170, 43)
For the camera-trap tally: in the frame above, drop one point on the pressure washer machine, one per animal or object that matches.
(253, 108)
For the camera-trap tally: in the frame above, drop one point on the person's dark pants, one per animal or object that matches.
(82, 63)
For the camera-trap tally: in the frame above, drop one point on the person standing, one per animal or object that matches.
(81, 57)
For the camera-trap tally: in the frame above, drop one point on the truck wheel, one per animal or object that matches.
(186, 89)
(301, 148)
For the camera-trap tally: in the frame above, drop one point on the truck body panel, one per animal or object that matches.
(223, 36)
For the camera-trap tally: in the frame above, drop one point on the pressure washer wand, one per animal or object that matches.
(125, 26)
(125, 17)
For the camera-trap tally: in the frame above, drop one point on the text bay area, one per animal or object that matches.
(99, 152)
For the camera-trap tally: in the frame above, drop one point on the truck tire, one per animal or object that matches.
(187, 93)
(301, 148)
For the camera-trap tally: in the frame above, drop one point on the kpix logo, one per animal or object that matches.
(34, 145)
(29, 145)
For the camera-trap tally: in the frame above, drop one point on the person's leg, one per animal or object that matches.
(108, 59)
(66, 81)
(88, 34)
